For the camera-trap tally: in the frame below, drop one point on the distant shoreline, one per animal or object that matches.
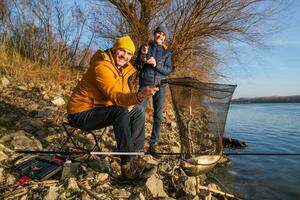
(273, 99)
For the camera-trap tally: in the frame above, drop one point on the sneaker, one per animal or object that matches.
(138, 168)
(153, 150)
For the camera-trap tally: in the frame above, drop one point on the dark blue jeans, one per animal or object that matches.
(158, 106)
(129, 127)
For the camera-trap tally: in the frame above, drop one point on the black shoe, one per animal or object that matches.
(138, 168)
(153, 150)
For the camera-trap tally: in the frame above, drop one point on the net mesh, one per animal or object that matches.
(201, 111)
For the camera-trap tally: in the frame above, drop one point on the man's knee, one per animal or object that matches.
(121, 111)
(140, 109)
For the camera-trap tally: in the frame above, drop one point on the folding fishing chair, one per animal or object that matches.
(80, 144)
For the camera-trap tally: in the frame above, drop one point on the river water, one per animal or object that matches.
(266, 128)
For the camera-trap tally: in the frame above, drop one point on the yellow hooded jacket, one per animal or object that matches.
(103, 85)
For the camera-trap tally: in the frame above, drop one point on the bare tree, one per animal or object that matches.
(195, 25)
(47, 31)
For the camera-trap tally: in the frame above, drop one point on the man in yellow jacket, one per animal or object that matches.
(103, 98)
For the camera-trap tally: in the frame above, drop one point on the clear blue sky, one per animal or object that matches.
(274, 71)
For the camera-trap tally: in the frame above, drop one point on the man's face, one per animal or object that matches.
(122, 56)
(159, 37)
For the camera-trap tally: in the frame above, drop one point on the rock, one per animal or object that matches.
(172, 125)
(187, 185)
(150, 159)
(3, 156)
(33, 106)
(155, 186)
(22, 88)
(137, 196)
(175, 149)
(48, 111)
(10, 179)
(84, 196)
(103, 188)
(29, 124)
(2, 176)
(24, 197)
(41, 133)
(99, 165)
(115, 165)
(59, 101)
(120, 194)
(9, 118)
(101, 177)
(46, 97)
(4, 82)
(72, 184)
(21, 140)
(51, 193)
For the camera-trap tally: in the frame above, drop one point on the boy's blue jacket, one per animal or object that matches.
(150, 75)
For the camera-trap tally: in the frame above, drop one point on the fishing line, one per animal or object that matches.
(148, 153)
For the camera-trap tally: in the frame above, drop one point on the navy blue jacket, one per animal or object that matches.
(150, 75)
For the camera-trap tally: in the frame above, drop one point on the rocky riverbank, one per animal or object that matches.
(31, 118)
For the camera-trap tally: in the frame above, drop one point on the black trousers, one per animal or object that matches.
(129, 127)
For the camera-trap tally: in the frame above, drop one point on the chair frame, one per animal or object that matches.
(70, 136)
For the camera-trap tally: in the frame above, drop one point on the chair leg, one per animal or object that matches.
(96, 141)
(70, 136)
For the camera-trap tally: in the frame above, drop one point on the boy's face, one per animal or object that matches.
(159, 37)
(122, 56)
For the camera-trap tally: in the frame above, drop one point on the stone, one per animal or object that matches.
(121, 194)
(115, 165)
(51, 193)
(72, 184)
(99, 165)
(10, 179)
(24, 142)
(4, 82)
(22, 88)
(137, 196)
(29, 124)
(24, 197)
(41, 133)
(2, 176)
(3, 156)
(8, 119)
(21, 140)
(155, 186)
(47, 112)
(58, 101)
(175, 149)
(101, 177)
(187, 185)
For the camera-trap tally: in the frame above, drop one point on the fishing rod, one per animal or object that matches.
(148, 153)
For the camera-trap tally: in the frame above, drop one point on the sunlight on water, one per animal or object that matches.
(266, 128)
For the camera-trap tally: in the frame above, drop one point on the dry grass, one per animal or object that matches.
(22, 70)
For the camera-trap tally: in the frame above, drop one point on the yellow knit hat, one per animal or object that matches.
(125, 43)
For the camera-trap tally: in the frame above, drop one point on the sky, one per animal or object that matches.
(274, 71)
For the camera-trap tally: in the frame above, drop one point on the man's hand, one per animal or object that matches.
(130, 108)
(151, 61)
(147, 91)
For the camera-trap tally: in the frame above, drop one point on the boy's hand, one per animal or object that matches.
(144, 49)
(151, 61)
